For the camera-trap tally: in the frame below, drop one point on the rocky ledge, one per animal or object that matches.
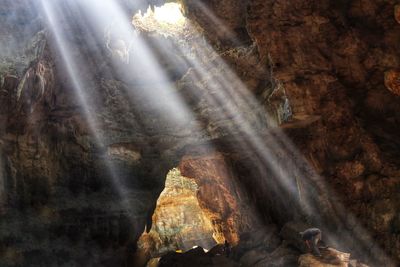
(261, 248)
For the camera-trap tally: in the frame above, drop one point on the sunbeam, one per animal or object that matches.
(149, 73)
(233, 100)
(198, 133)
(72, 65)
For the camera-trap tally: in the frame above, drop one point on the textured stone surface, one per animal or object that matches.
(179, 223)
(225, 21)
(219, 194)
(331, 58)
(330, 258)
(397, 13)
(59, 201)
(392, 81)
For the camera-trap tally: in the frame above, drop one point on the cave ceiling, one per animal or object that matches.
(279, 111)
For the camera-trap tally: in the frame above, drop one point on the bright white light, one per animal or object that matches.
(170, 13)
(167, 20)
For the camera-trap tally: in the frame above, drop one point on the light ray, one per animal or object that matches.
(171, 107)
(227, 87)
(51, 12)
(229, 94)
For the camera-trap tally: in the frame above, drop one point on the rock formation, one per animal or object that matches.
(88, 131)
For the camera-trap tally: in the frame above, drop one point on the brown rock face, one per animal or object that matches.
(57, 184)
(179, 223)
(331, 58)
(79, 181)
(397, 13)
(392, 81)
(224, 21)
(330, 258)
(220, 195)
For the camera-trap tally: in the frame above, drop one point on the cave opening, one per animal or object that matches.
(179, 221)
(167, 19)
(169, 13)
(203, 206)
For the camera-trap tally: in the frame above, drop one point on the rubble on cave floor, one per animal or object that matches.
(196, 257)
(261, 249)
(283, 256)
(330, 257)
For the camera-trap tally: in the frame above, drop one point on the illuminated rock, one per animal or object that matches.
(225, 202)
(179, 223)
(392, 81)
(330, 258)
(124, 152)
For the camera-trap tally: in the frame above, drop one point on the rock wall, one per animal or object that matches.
(332, 58)
(220, 194)
(179, 223)
(61, 202)
(338, 63)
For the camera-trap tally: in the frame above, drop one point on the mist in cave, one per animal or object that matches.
(199, 133)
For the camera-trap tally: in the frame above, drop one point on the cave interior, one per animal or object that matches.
(144, 133)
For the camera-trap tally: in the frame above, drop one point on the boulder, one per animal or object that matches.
(330, 258)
